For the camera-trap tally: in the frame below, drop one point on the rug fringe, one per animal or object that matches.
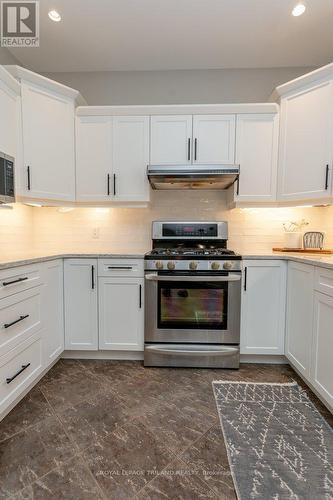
(253, 383)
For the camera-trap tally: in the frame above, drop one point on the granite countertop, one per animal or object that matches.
(33, 258)
(320, 260)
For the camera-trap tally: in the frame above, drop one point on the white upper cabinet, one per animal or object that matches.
(214, 139)
(256, 154)
(94, 174)
(306, 147)
(263, 307)
(48, 144)
(9, 118)
(130, 157)
(171, 140)
(47, 168)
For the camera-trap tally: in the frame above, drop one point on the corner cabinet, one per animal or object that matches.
(10, 109)
(299, 315)
(112, 154)
(80, 295)
(263, 307)
(306, 150)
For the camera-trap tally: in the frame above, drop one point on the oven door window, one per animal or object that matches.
(187, 305)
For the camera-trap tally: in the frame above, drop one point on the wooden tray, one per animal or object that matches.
(304, 250)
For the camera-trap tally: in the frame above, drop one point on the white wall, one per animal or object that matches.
(7, 58)
(178, 87)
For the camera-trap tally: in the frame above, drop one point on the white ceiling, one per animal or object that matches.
(105, 35)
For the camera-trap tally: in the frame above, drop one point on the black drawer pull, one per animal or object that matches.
(6, 283)
(29, 178)
(24, 367)
(108, 190)
(93, 277)
(326, 177)
(245, 279)
(120, 267)
(21, 318)
(140, 296)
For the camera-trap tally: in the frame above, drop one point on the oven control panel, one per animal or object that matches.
(190, 230)
(193, 265)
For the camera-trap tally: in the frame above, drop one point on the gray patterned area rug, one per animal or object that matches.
(278, 444)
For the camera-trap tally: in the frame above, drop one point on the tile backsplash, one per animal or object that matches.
(27, 229)
(250, 230)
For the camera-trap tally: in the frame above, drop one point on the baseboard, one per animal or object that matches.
(264, 358)
(121, 355)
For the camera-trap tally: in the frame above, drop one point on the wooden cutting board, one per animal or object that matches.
(304, 250)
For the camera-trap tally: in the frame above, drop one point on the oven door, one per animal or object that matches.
(193, 308)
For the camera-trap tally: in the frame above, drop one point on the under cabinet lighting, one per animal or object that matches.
(298, 10)
(54, 16)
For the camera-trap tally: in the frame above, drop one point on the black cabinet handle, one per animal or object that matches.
(24, 367)
(114, 184)
(189, 149)
(6, 283)
(93, 277)
(21, 318)
(237, 185)
(29, 180)
(140, 296)
(195, 149)
(120, 267)
(108, 189)
(326, 177)
(245, 279)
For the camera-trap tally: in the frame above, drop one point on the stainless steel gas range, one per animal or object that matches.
(192, 296)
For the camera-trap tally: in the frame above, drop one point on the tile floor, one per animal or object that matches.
(116, 430)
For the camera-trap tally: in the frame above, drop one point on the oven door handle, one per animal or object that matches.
(157, 277)
(182, 350)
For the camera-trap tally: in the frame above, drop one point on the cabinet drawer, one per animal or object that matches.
(20, 317)
(120, 267)
(18, 368)
(18, 279)
(324, 280)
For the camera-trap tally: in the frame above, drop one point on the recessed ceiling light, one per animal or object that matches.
(298, 10)
(54, 16)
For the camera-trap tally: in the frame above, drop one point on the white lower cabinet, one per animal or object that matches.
(121, 317)
(299, 316)
(80, 294)
(322, 346)
(52, 310)
(263, 307)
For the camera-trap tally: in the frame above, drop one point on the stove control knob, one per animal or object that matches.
(193, 265)
(159, 264)
(215, 266)
(228, 265)
(171, 265)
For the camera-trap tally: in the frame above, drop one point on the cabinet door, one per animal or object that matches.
(299, 316)
(170, 140)
(322, 351)
(52, 310)
(93, 158)
(256, 153)
(9, 125)
(130, 158)
(80, 286)
(214, 139)
(48, 145)
(306, 143)
(121, 314)
(263, 307)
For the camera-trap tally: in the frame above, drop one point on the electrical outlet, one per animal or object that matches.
(95, 233)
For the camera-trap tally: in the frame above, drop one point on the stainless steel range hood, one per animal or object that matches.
(192, 176)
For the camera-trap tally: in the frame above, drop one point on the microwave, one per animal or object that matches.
(7, 183)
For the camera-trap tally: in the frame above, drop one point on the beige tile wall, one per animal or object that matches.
(16, 230)
(128, 229)
(27, 230)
